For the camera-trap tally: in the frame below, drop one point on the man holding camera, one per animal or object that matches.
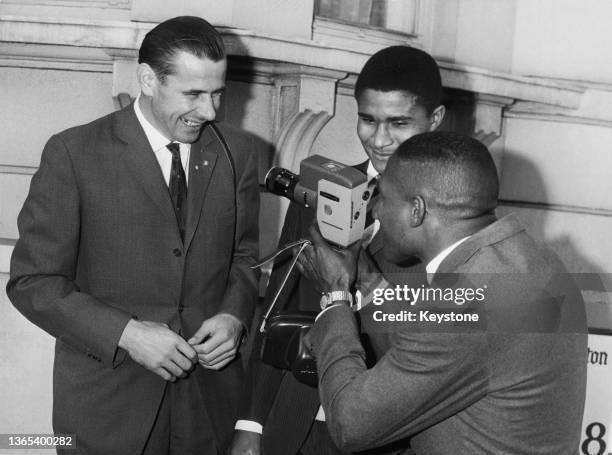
(511, 380)
(398, 94)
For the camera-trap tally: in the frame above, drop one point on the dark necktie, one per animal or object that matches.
(178, 188)
(373, 187)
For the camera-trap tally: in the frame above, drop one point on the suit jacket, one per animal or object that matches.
(99, 244)
(513, 385)
(274, 398)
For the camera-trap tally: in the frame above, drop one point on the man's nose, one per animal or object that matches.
(206, 109)
(382, 138)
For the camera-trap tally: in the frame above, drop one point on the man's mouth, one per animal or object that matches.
(192, 123)
(381, 155)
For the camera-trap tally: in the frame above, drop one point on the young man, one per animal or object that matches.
(502, 371)
(398, 94)
(136, 241)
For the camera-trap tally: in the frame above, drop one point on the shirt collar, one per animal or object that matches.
(371, 172)
(156, 139)
(432, 266)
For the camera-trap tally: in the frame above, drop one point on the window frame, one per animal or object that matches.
(368, 38)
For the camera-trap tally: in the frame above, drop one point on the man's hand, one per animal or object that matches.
(217, 340)
(331, 270)
(157, 348)
(245, 443)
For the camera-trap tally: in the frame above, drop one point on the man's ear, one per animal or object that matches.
(436, 117)
(147, 79)
(417, 211)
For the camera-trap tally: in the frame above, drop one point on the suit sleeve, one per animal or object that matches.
(422, 379)
(43, 266)
(241, 292)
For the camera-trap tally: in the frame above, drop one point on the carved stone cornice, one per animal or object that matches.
(594, 108)
(25, 55)
(17, 170)
(555, 117)
(504, 85)
(123, 35)
(594, 211)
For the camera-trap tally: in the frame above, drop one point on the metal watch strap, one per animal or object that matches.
(329, 298)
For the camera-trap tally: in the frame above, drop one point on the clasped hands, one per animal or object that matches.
(164, 352)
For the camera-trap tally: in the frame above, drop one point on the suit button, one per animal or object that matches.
(181, 308)
(176, 252)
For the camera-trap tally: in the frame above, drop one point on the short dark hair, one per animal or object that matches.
(184, 33)
(406, 69)
(455, 173)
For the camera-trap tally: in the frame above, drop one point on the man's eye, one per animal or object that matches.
(366, 120)
(402, 124)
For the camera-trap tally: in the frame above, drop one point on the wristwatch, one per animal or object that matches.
(329, 298)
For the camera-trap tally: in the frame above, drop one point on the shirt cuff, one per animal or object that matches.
(249, 425)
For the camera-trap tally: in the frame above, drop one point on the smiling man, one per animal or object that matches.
(136, 241)
(398, 94)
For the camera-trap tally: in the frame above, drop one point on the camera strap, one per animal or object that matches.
(226, 150)
(302, 244)
(230, 160)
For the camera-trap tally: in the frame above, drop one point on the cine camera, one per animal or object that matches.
(336, 192)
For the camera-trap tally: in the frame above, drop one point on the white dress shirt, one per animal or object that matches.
(432, 266)
(159, 142)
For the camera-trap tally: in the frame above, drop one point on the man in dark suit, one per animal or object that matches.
(493, 363)
(136, 241)
(398, 94)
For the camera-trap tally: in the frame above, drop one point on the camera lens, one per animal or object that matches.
(281, 181)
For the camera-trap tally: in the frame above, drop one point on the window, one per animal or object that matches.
(368, 25)
(397, 15)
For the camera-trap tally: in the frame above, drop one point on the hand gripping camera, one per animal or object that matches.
(339, 194)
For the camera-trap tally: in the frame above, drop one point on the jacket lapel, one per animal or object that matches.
(493, 233)
(202, 162)
(141, 161)
(376, 245)
(362, 167)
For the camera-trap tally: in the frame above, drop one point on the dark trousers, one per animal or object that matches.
(182, 426)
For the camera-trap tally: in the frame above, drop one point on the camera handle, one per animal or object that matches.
(303, 244)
